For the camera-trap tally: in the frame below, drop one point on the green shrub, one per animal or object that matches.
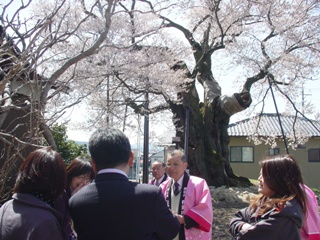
(68, 149)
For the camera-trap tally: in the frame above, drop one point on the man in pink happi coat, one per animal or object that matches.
(190, 200)
(311, 227)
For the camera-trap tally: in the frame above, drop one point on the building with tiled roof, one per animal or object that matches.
(254, 138)
(269, 124)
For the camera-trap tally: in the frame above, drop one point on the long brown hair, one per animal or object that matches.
(282, 175)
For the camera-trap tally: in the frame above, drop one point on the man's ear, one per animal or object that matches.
(94, 166)
(131, 159)
(186, 165)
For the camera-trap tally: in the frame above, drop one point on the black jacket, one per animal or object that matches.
(112, 207)
(273, 225)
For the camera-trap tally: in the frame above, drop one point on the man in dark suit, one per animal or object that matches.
(158, 172)
(112, 207)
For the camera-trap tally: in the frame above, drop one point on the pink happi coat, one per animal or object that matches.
(197, 205)
(311, 227)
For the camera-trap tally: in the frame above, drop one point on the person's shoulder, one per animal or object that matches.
(47, 216)
(5, 206)
(292, 208)
(90, 187)
(292, 211)
(196, 179)
(6, 203)
(146, 187)
(293, 203)
(35, 209)
(86, 191)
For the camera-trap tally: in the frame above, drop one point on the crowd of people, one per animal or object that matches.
(93, 199)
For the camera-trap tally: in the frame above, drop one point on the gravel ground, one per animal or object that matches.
(222, 214)
(226, 202)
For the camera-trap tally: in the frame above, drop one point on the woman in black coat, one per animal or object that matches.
(278, 212)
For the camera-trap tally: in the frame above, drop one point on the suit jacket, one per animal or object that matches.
(165, 178)
(112, 207)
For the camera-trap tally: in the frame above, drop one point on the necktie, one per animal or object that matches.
(157, 183)
(176, 188)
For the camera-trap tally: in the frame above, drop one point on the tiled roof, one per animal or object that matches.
(267, 124)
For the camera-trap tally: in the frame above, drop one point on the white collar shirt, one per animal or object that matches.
(112, 170)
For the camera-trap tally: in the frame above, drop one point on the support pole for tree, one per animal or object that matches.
(186, 133)
(146, 140)
(275, 105)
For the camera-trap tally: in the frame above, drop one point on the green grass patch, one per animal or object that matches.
(316, 191)
(254, 181)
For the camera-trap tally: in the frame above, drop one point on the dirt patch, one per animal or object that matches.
(222, 214)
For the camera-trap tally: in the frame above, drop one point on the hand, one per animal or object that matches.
(245, 226)
(179, 217)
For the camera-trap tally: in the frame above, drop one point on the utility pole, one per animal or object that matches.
(138, 152)
(146, 140)
(146, 134)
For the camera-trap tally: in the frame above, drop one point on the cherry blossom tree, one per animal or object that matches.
(38, 64)
(164, 48)
(275, 44)
(68, 52)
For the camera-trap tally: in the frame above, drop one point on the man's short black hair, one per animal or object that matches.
(109, 148)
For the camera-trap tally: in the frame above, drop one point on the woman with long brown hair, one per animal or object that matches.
(278, 212)
(31, 214)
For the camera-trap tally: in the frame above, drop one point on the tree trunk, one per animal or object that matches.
(208, 153)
